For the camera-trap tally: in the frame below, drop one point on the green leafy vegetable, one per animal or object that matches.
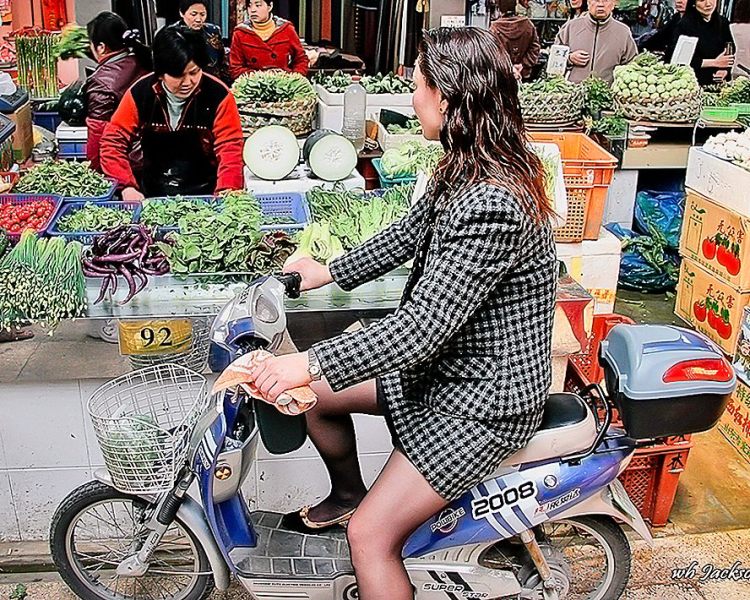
(72, 43)
(271, 86)
(410, 158)
(315, 241)
(598, 95)
(63, 177)
(167, 212)
(354, 217)
(373, 84)
(412, 126)
(94, 217)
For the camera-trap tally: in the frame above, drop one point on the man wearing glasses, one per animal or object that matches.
(597, 42)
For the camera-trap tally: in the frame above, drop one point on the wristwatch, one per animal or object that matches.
(313, 366)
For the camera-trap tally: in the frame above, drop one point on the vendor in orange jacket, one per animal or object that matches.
(186, 121)
(265, 42)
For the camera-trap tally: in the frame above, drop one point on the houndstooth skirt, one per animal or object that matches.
(451, 452)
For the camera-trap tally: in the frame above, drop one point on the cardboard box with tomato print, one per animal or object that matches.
(710, 305)
(717, 238)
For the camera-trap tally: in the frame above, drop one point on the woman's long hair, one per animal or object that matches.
(483, 132)
(691, 10)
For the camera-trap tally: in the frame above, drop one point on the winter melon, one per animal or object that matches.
(329, 155)
(271, 152)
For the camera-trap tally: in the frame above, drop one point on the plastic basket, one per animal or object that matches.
(652, 477)
(87, 237)
(587, 362)
(18, 199)
(388, 182)
(143, 422)
(105, 197)
(290, 206)
(588, 170)
(46, 120)
(720, 114)
(194, 358)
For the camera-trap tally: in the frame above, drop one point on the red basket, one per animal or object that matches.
(17, 199)
(651, 479)
(587, 363)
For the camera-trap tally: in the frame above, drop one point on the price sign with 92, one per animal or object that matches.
(155, 336)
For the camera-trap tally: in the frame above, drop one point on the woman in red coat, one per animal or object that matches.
(265, 42)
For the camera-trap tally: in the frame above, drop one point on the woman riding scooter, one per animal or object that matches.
(461, 370)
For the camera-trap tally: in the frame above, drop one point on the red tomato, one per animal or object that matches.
(724, 330)
(721, 255)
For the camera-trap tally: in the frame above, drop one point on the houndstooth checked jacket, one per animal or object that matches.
(465, 362)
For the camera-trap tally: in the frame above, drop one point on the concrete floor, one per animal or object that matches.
(714, 489)
(652, 576)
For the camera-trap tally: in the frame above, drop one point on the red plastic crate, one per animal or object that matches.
(652, 477)
(587, 362)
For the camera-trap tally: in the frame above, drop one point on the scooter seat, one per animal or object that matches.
(568, 426)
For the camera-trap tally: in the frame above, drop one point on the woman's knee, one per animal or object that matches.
(369, 539)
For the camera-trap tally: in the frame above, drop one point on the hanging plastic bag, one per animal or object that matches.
(646, 264)
(662, 211)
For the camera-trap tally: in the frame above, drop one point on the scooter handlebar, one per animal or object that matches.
(292, 282)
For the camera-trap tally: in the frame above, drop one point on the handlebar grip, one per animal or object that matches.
(292, 282)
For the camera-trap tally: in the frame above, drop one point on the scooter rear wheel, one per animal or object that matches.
(96, 527)
(589, 557)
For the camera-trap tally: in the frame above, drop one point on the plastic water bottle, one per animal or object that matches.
(355, 106)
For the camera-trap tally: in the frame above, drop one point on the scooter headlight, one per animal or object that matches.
(265, 310)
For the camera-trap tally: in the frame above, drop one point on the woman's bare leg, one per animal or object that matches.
(400, 501)
(331, 429)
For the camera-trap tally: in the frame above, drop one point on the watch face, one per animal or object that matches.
(314, 369)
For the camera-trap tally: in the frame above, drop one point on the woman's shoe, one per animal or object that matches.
(300, 522)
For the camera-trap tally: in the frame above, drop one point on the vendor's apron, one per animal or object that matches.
(179, 162)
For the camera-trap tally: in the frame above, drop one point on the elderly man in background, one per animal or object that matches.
(598, 43)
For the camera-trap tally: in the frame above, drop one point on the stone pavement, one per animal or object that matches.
(651, 578)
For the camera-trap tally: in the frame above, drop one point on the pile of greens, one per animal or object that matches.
(94, 217)
(167, 212)
(598, 95)
(354, 217)
(64, 177)
(41, 281)
(373, 84)
(271, 86)
(229, 241)
(409, 159)
(412, 126)
(72, 43)
(315, 241)
(612, 126)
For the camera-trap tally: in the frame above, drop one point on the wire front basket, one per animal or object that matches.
(143, 422)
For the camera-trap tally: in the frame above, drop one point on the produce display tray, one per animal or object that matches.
(87, 237)
(290, 206)
(388, 182)
(105, 197)
(18, 199)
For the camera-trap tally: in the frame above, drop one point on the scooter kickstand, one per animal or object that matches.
(540, 562)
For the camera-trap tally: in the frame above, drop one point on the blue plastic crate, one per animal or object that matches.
(388, 182)
(105, 197)
(71, 149)
(87, 237)
(293, 206)
(25, 198)
(162, 231)
(47, 120)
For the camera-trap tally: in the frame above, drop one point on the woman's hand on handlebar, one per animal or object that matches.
(314, 275)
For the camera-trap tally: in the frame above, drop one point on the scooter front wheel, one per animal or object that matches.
(96, 527)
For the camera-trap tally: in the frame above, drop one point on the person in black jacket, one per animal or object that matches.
(662, 40)
(193, 14)
(714, 55)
